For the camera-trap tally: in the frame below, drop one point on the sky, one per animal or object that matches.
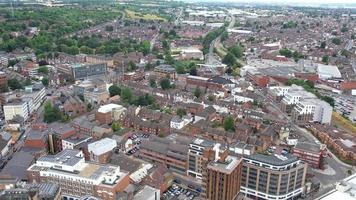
(289, 1)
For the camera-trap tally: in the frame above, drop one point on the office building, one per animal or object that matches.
(165, 71)
(312, 110)
(221, 175)
(272, 176)
(344, 190)
(3, 82)
(78, 178)
(86, 71)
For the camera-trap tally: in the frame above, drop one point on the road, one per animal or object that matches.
(153, 41)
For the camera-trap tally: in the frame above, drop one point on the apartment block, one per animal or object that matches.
(272, 176)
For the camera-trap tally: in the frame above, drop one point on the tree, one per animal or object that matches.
(193, 71)
(115, 126)
(325, 59)
(168, 58)
(197, 92)
(329, 100)
(43, 70)
(51, 114)
(153, 83)
(180, 69)
(114, 90)
(14, 84)
(181, 112)
(229, 124)
(45, 81)
(165, 84)
(286, 52)
(132, 66)
(229, 59)
(237, 51)
(126, 95)
(336, 41)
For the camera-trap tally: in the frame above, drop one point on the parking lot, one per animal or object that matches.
(177, 192)
(136, 141)
(347, 107)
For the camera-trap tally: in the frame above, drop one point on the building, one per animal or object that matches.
(303, 106)
(309, 153)
(85, 71)
(328, 72)
(272, 177)
(160, 150)
(111, 112)
(191, 53)
(147, 193)
(165, 71)
(195, 157)
(44, 191)
(58, 132)
(17, 108)
(25, 103)
(312, 110)
(222, 176)
(78, 178)
(3, 82)
(344, 189)
(179, 122)
(75, 142)
(5, 144)
(100, 150)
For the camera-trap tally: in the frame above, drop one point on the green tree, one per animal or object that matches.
(126, 95)
(165, 84)
(109, 28)
(329, 100)
(336, 41)
(51, 114)
(168, 58)
(181, 112)
(14, 84)
(197, 92)
(325, 59)
(286, 52)
(115, 126)
(153, 83)
(237, 51)
(114, 90)
(229, 59)
(43, 70)
(180, 69)
(229, 124)
(45, 81)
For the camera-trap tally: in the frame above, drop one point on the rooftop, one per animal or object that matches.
(276, 160)
(228, 166)
(102, 146)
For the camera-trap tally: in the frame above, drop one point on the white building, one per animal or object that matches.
(191, 53)
(328, 71)
(20, 108)
(117, 111)
(147, 193)
(179, 123)
(321, 111)
(77, 177)
(74, 141)
(101, 147)
(345, 190)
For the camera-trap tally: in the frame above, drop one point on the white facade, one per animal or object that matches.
(179, 123)
(21, 109)
(102, 146)
(320, 110)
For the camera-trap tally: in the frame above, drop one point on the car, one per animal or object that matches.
(188, 193)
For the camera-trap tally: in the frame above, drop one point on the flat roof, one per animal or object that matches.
(276, 160)
(345, 192)
(227, 167)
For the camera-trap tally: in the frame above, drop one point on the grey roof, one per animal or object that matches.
(18, 165)
(60, 128)
(220, 80)
(34, 134)
(146, 193)
(65, 157)
(46, 190)
(125, 162)
(272, 159)
(308, 147)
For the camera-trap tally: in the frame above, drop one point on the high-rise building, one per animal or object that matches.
(272, 176)
(78, 178)
(221, 175)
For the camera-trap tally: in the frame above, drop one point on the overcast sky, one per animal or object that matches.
(287, 1)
